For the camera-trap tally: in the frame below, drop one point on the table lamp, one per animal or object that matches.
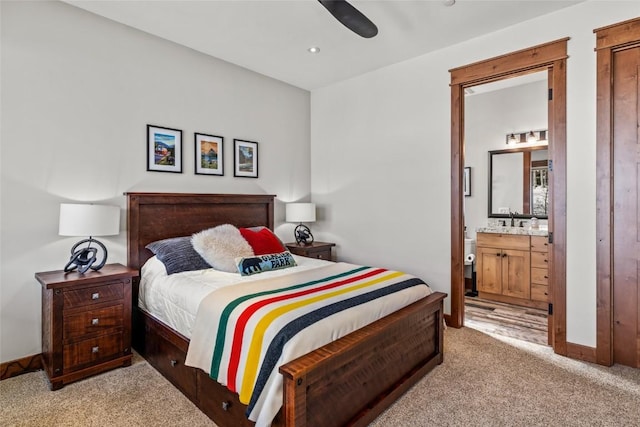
(88, 220)
(301, 212)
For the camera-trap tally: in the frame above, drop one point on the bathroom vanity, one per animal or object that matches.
(512, 266)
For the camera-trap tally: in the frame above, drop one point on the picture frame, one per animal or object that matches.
(209, 154)
(466, 182)
(164, 149)
(245, 158)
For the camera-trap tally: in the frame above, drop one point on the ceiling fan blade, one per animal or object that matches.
(351, 17)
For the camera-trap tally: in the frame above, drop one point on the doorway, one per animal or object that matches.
(550, 57)
(506, 153)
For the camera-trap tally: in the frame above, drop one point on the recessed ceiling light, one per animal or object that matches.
(314, 49)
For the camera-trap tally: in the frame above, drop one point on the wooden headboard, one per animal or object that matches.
(156, 216)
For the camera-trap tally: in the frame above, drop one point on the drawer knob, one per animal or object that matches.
(226, 406)
(95, 349)
(95, 295)
(95, 321)
(546, 277)
(173, 363)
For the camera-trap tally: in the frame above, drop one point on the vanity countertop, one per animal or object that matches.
(513, 230)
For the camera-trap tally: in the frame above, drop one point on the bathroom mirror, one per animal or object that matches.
(518, 182)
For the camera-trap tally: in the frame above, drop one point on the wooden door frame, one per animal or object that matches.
(551, 57)
(609, 40)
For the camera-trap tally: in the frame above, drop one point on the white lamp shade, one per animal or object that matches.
(301, 212)
(89, 220)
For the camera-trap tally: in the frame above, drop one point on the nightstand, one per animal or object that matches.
(86, 322)
(320, 250)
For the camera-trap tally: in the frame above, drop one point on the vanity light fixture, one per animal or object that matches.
(531, 137)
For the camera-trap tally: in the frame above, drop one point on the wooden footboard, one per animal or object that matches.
(352, 380)
(347, 382)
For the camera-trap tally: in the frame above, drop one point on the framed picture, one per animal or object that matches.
(164, 149)
(466, 182)
(245, 158)
(209, 154)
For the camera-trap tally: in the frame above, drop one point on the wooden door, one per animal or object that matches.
(516, 277)
(626, 214)
(489, 268)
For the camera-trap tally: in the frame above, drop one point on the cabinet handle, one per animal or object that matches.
(546, 277)
(546, 260)
(504, 255)
(173, 363)
(95, 295)
(498, 254)
(95, 321)
(95, 349)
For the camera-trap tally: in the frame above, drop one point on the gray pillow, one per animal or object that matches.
(177, 255)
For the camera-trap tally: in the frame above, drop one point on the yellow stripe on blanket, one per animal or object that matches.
(253, 357)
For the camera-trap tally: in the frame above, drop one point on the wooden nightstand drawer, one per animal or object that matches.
(93, 321)
(320, 254)
(319, 250)
(89, 351)
(95, 295)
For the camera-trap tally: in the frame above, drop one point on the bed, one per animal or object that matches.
(346, 382)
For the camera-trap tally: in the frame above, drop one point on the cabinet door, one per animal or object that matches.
(516, 273)
(489, 270)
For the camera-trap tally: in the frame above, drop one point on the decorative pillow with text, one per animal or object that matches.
(258, 264)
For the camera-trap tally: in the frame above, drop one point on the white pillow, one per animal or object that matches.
(220, 246)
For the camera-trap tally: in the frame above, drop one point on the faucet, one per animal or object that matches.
(512, 216)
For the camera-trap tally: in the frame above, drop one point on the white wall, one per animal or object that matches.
(77, 93)
(380, 156)
(489, 117)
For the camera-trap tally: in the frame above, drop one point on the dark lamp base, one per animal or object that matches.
(303, 235)
(86, 258)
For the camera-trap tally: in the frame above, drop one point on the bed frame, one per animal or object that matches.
(347, 382)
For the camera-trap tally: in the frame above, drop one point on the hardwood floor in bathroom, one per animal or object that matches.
(527, 324)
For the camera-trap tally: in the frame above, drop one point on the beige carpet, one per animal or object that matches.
(483, 382)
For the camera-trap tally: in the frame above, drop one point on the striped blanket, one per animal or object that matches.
(244, 332)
